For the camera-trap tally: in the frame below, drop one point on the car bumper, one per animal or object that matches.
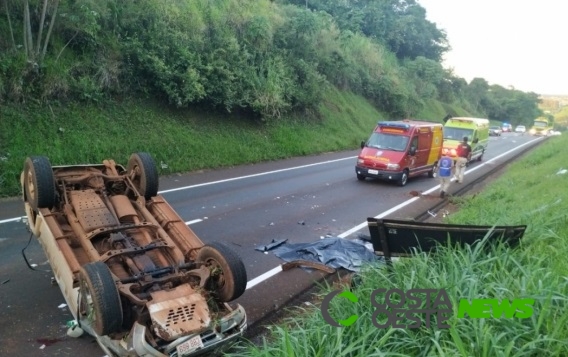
(229, 329)
(379, 174)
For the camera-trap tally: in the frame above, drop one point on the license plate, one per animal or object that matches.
(373, 172)
(189, 346)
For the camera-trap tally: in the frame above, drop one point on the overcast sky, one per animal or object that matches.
(518, 43)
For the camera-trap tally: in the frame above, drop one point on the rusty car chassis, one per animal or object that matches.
(133, 274)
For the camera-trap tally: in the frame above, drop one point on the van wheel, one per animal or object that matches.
(99, 299)
(403, 179)
(144, 174)
(481, 156)
(360, 177)
(431, 172)
(228, 278)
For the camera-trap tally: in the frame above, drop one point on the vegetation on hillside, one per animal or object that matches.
(264, 58)
(91, 132)
(82, 81)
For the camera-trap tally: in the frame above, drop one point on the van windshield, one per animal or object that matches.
(388, 141)
(457, 133)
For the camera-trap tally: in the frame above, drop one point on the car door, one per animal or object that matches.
(414, 154)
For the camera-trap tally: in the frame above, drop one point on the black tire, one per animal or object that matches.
(228, 274)
(39, 184)
(481, 156)
(105, 309)
(144, 174)
(431, 172)
(360, 177)
(403, 178)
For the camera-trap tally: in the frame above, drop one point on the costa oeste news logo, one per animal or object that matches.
(396, 307)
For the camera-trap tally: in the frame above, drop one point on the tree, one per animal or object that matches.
(35, 53)
(476, 93)
(401, 25)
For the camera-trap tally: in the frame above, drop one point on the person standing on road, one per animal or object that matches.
(464, 155)
(445, 168)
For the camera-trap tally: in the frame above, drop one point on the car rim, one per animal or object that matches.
(31, 186)
(87, 303)
(216, 272)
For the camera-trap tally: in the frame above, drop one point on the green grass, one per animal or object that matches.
(434, 110)
(530, 192)
(183, 140)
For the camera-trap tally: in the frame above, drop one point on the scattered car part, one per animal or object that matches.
(309, 264)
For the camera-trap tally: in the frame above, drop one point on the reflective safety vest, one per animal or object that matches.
(445, 167)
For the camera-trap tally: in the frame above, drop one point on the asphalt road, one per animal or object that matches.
(300, 199)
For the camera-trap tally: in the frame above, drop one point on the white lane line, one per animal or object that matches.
(193, 221)
(12, 219)
(259, 279)
(255, 175)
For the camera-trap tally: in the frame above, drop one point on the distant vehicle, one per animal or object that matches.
(476, 130)
(520, 129)
(541, 127)
(398, 150)
(554, 133)
(495, 131)
(507, 127)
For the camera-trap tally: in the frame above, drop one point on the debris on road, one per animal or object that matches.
(309, 264)
(333, 252)
(275, 243)
(364, 237)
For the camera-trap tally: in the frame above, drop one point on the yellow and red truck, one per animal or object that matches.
(398, 150)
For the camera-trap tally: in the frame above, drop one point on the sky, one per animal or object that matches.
(520, 44)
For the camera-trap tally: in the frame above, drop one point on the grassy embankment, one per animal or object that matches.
(183, 140)
(530, 192)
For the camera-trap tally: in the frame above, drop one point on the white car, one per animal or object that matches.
(520, 129)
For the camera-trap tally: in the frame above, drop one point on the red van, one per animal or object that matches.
(398, 150)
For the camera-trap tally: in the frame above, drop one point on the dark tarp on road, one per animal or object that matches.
(331, 251)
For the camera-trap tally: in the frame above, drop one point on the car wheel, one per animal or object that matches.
(228, 278)
(360, 177)
(403, 178)
(99, 298)
(144, 174)
(39, 184)
(38, 188)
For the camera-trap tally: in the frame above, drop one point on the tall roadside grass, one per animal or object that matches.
(180, 140)
(531, 192)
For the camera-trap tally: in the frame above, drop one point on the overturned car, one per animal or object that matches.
(133, 274)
